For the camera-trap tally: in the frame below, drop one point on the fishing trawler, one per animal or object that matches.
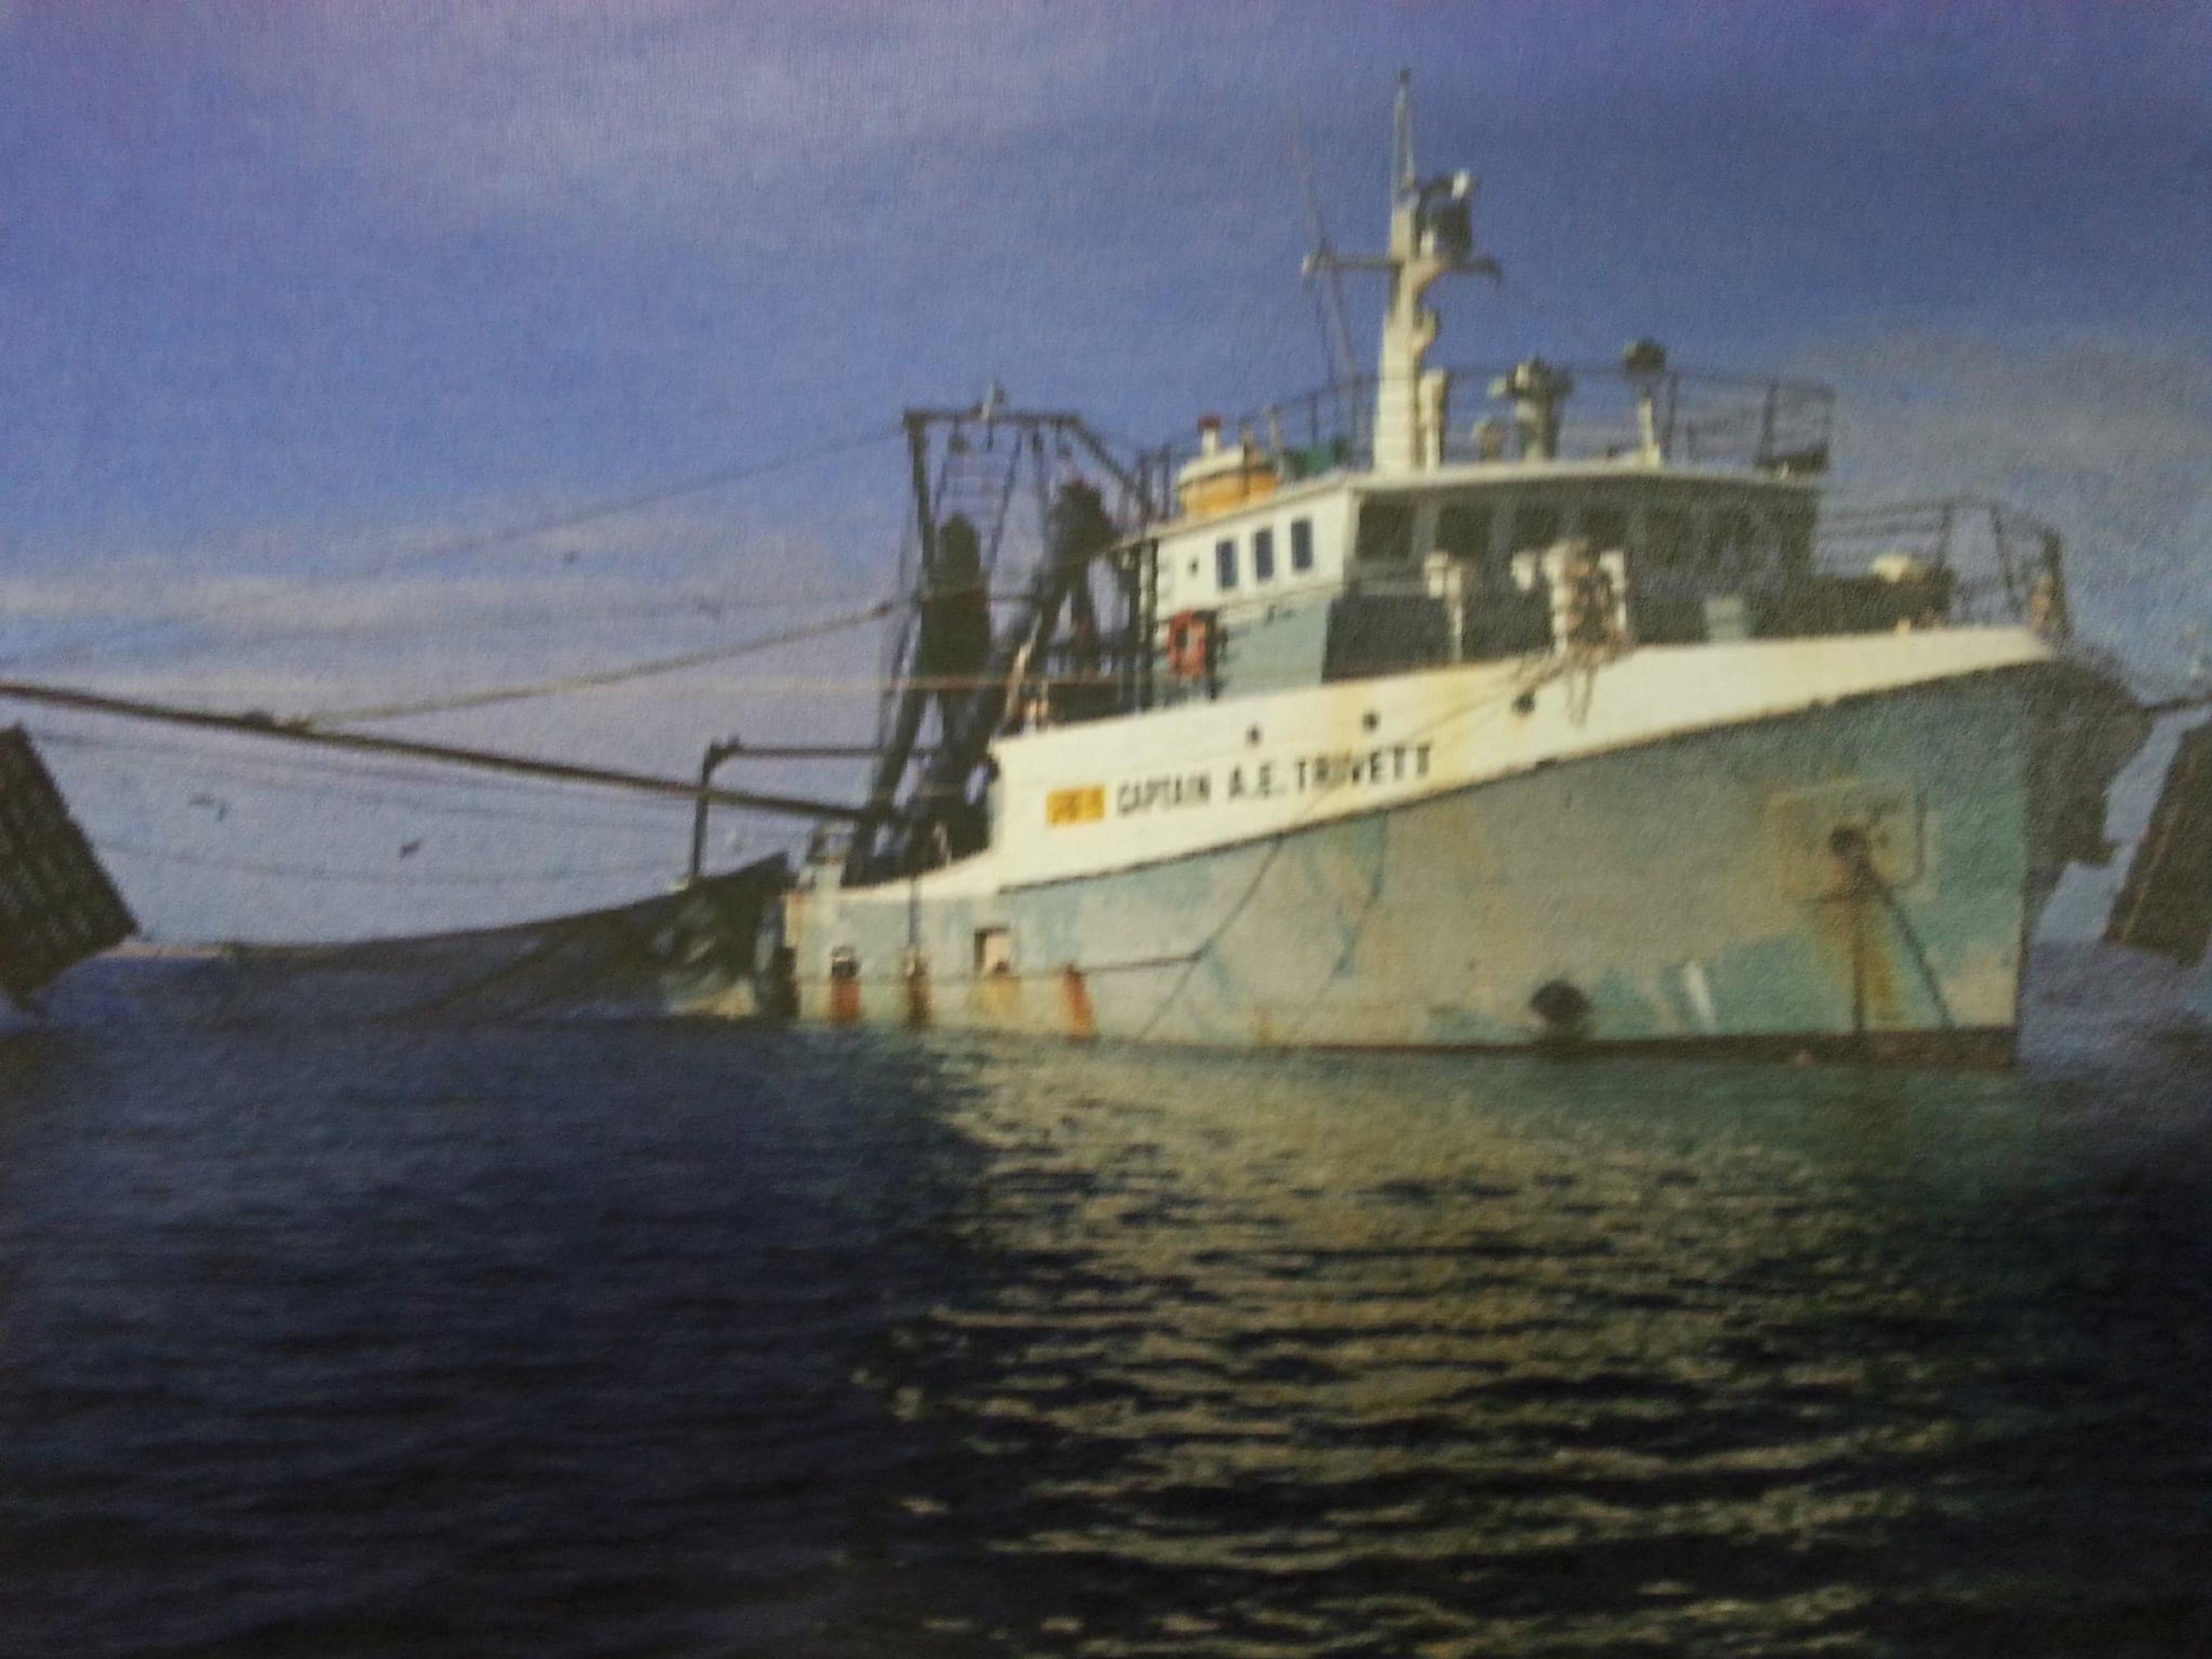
(1533, 706)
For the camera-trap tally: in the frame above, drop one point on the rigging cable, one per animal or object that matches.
(2176, 705)
(591, 681)
(275, 776)
(618, 506)
(1488, 702)
(486, 541)
(573, 612)
(267, 727)
(370, 878)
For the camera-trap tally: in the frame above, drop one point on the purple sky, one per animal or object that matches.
(289, 293)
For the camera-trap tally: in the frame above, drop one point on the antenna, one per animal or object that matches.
(1402, 137)
(1329, 291)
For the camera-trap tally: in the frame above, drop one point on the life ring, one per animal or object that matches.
(1190, 644)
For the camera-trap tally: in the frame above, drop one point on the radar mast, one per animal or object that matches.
(1431, 236)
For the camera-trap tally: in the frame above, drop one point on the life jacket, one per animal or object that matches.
(1190, 644)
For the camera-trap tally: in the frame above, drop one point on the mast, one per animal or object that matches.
(1401, 135)
(1431, 237)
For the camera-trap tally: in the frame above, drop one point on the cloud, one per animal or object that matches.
(682, 113)
(250, 621)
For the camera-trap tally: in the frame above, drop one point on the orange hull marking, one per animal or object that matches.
(1082, 1021)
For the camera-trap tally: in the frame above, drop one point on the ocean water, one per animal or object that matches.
(330, 1339)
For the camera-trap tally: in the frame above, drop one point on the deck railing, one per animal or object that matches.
(2002, 564)
(1697, 419)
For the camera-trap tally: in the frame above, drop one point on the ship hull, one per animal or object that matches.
(1857, 878)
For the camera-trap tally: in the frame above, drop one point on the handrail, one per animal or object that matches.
(2001, 561)
(1714, 418)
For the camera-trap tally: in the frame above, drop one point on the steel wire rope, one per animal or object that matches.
(506, 536)
(2177, 705)
(865, 684)
(1357, 933)
(697, 608)
(266, 728)
(1911, 934)
(419, 775)
(598, 679)
(243, 766)
(861, 685)
(334, 780)
(371, 878)
(1276, 841)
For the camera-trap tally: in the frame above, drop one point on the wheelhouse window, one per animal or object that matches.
(1386, 533)
(1669, 534)
(1263, 556)
(1463, 532)
(1301, 546)
(1606, 528)
(1535, 526)
(1738, 545)
(1224, 562)
(994, 953)
(1793, 535)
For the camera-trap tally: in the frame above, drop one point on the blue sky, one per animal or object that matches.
(293, 295)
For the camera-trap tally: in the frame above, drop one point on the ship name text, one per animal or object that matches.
(1275, 778)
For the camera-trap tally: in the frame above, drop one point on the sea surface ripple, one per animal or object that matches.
(335, 1339)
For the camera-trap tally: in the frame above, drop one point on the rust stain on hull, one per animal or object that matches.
(998, 999)
(1855, 933)
(1082, 1020)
